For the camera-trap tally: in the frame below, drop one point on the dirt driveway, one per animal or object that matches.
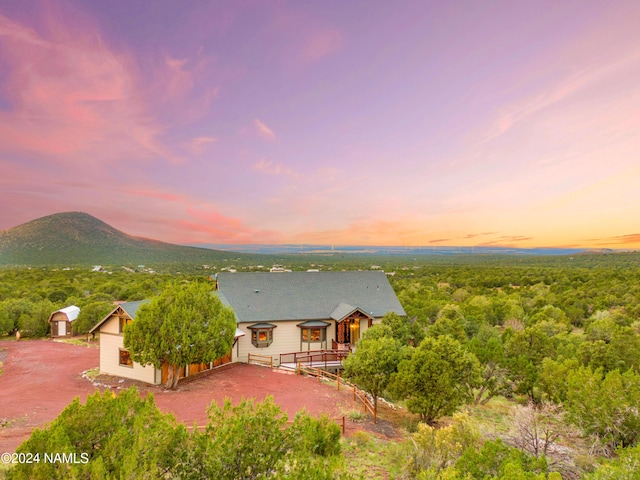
(41, 377)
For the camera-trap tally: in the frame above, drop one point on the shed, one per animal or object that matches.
(60, 321)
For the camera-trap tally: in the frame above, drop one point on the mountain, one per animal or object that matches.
(74, 238)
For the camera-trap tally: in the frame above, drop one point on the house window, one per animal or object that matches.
(313, 334)
(124, 321)
(314, 331)
(125, 358)
(262, 334)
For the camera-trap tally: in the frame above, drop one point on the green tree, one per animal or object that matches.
(90, 314)
(488, 348)
(496, 460)
(434, 449)
(14, 308)
(36, 322)
(373, 362)
(607, 406)
(185, 324)
(553, 378)
(110, 436)
(625, 467)
(251, 440)
(408, 331)
(450, 321)
(437, 379)
(6, 323)
(239, 441)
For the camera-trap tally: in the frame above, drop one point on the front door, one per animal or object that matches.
(348, 331)
(62, 329)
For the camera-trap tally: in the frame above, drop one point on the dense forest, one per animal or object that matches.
(551, 343)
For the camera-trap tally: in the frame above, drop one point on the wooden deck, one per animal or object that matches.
(337, 364)
(317, 359)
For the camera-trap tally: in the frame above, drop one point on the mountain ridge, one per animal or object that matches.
(80, 238)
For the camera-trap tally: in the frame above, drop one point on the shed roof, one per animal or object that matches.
(262, 296)
(71, 312)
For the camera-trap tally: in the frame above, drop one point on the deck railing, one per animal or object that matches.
(326, 358)
(358, 394)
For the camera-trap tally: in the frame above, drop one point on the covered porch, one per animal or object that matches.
(350, 322)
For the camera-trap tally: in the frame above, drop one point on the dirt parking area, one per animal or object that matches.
(41, 377)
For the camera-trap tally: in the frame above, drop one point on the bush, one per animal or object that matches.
(320, 436)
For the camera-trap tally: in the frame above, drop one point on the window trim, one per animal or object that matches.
(122, 351)
(258, 330)
(308, 332)
(123, 321)
(308, 328)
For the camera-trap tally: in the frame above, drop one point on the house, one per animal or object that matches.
(60, 321)
(276, 314)
(286, 312)
(116, 360)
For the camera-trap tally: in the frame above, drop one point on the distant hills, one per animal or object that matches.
(75, 238)
(396, 250)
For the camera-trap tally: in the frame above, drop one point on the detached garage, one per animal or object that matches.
(60, 321)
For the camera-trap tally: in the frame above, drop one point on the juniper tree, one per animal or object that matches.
(374, 361)
(437, 379)
(184, 324)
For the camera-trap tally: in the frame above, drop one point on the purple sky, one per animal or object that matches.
(358, 122)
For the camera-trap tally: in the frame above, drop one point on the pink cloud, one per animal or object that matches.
(272, 168)
(221, 228)
(181, 88)
(629, 239)
(591, 75)
(199, 145)
(72, 97)
(179, 79)
(321, 43)
(157, 194)
(474, 235)
(263, 130)
(506, 241)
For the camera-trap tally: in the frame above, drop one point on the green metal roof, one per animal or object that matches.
(263, 297)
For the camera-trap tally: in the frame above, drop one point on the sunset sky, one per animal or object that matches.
(326, 122)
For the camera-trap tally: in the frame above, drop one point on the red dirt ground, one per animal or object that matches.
(42, 376)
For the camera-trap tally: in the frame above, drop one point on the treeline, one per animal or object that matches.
(563, 341)
(29, 296)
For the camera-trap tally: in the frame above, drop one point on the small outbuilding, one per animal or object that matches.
(60, 321)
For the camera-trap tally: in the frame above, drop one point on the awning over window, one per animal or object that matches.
(313, 324)
(261, 326)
